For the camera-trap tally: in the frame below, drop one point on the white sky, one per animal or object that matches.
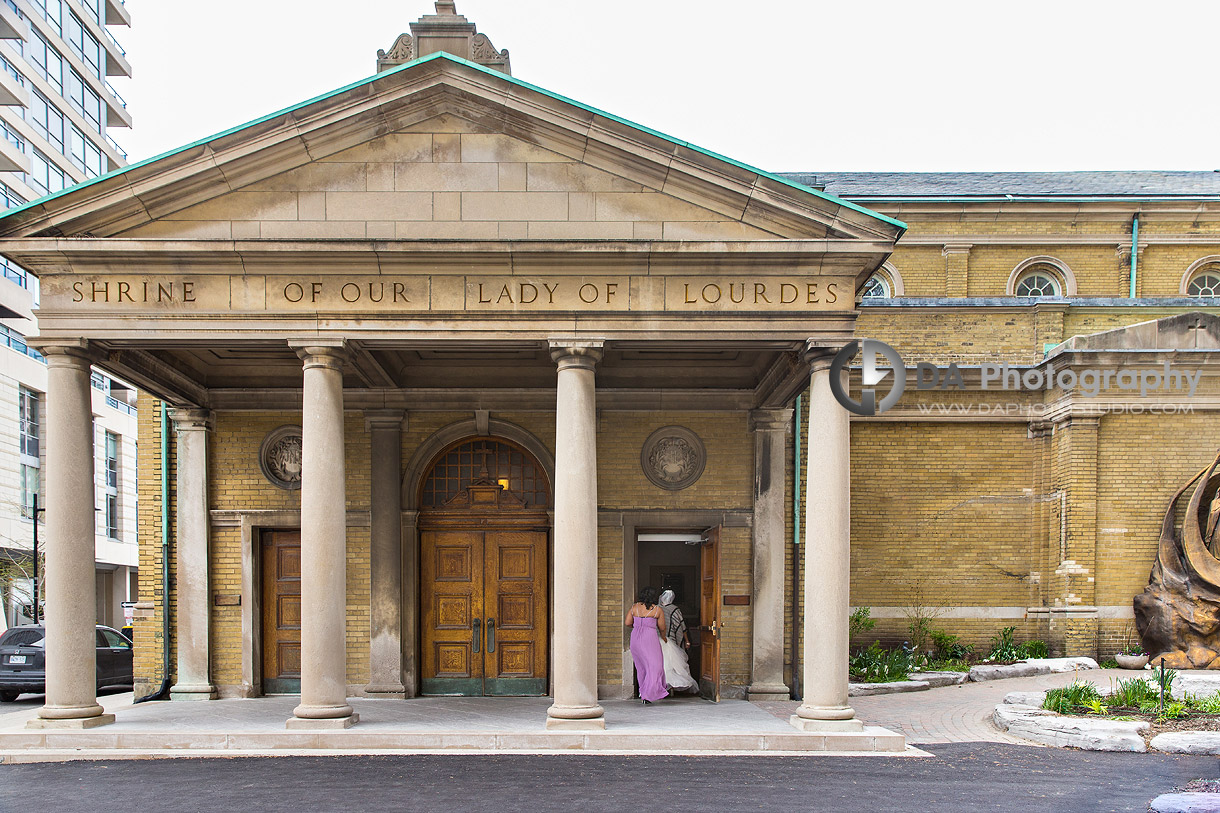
(785, 85)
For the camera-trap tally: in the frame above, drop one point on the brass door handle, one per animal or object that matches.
(491, 635)
(476, 628)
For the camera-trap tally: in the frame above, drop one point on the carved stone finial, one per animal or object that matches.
(448, 31)
(447, 7)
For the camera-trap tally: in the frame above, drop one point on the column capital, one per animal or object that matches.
(819, 353)
(956, 248)
(770, 420)
(572, 352)
(186, 420)
(330, 353)
(385, 419)
(65, 352)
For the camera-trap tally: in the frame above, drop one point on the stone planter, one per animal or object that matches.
(1132, 661)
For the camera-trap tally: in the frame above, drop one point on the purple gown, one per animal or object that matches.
(649, 662)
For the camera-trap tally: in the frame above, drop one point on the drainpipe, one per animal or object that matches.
(163, 692)
(1135, 240)
(796, 544)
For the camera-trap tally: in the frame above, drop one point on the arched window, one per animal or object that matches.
(1205, 282)
(877, 287)
(477, 458)
(1037, 282)
(1041, 277)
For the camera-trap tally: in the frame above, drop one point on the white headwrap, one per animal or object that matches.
(667, 597)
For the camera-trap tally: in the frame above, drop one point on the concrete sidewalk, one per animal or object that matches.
(683, 725)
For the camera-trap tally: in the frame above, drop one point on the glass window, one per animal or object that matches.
(1205, 283)
(877, 287)
(27, 416)
(86, 102)
(31, 482)
(112, 460)
(47, 61)
(84, 45)
(113, 639)
(44, 176)
(486, 460)
(112, 516)
(52, 12)
(11, 200)
(47, 120)
(1037, 284)
(84, 153)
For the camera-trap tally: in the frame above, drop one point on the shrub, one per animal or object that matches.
(921, 630)
(1133, 692)
(1034, 649)
(1208, 705)
(1175, 710)
(877, 665)
(860, 623)
(949, 647)
(1003, 648)
(1065, 700)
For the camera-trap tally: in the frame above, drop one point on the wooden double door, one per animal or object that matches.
(484, 610)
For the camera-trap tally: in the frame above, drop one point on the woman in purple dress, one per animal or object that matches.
(647, 622)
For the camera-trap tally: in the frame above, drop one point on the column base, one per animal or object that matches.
(575, 718)
(385, 690)
(197, 691)
(768, 691)
(805, 724)
(322, 722)
(71, 722)
(587, 724)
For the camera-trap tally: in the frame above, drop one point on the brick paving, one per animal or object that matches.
(954, 713)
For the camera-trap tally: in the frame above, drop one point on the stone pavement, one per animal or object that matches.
(687, 724)
(957, 713)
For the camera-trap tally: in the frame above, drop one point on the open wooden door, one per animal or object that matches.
(709, 615)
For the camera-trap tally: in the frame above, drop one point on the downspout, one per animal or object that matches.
(163, 692)
(796, 546)
(1135, 241)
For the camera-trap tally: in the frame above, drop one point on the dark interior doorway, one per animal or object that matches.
(670, 559)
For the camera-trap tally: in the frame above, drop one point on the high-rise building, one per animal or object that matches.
(56, 108)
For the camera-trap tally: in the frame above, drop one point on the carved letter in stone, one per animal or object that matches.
(1178, 614)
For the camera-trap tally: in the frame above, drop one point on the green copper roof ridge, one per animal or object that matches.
(447, 56)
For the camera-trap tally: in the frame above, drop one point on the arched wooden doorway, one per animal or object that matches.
(484, 571)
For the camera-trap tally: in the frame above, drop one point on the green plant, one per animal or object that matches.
(1174, 710)
(860, 623)
(1075, 694)
(948, 646)
(1034, 649)
(877, 665)
(948, 665)
(1003, 648)
(1132, 693)
(1109, 663)
(1208, 705)
(1131, 642)
(1096, 707)
(920, 629)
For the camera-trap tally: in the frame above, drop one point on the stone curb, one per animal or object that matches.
(894, 687)
(1186, 803)
(1188, 742)
(1031, 667)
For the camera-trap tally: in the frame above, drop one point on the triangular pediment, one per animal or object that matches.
(441, 148)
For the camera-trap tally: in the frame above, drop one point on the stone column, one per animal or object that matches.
(575, 587)
(827, 548)
(71, 586)
(385, 554)
(770, 428)
(323, 541)
(192, 613)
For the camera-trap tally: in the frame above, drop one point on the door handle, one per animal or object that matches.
(491, 635)
(476, 627)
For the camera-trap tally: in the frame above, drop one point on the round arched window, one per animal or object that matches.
(1205, 283)
(877, 287)
(1037, 283)
(500, 461)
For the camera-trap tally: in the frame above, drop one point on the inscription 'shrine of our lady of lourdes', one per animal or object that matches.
(446, 293)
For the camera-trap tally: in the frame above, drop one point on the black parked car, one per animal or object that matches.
(23, 661)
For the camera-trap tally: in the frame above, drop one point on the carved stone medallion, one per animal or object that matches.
(673, 457)
(280, 457)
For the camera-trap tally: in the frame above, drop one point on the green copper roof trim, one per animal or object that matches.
(443, 55)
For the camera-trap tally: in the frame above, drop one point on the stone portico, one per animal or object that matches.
(443, 246)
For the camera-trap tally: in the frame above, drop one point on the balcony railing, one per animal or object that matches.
(116, 146)
(119, 405)
(115, 93)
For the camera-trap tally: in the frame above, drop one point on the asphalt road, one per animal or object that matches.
(961, 777)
